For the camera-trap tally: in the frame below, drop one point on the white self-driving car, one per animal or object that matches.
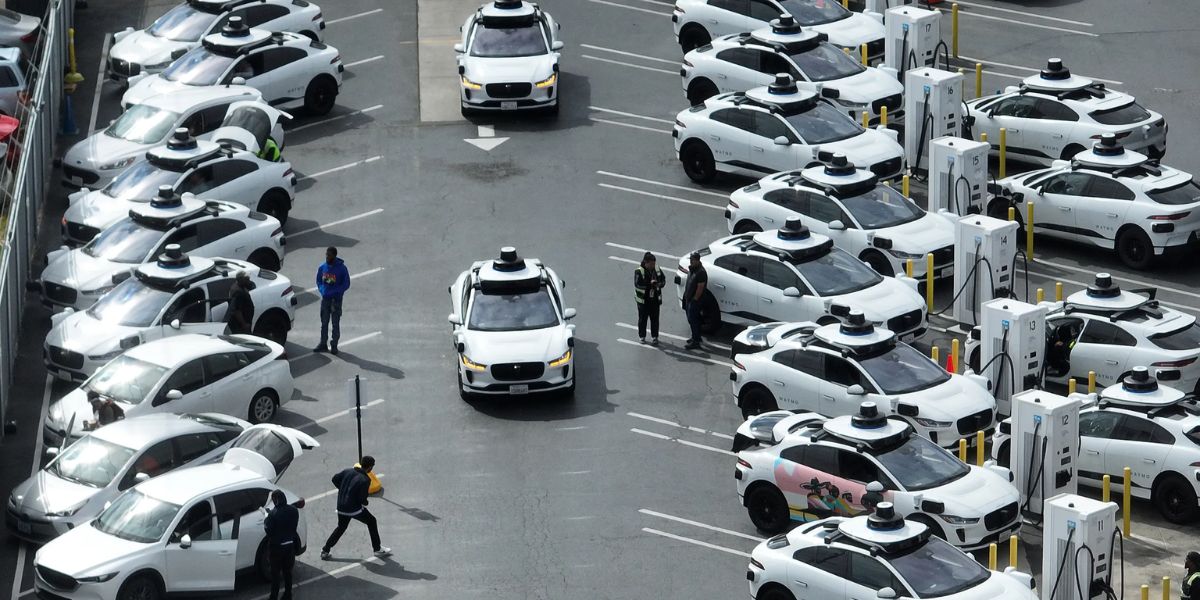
(777, 128)
(510, 328)
(881, 555)
(1112, 198)
(872, 221)
(508, 58)
(1110, 331)
(172, 35)
(790, 274)
(830, 369)
(95, 161)
(177, 294)
(1056, 115)
(203, 228)
(793, 465)
(189, 531)
(237, 375)
(697, 22)
(80, 478)
(13, 83)
(739, 62)
(289, 69)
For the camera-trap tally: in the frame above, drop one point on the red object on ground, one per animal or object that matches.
(950, 363)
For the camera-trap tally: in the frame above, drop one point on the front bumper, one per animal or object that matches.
(37, 529)
(976, 536)
(68, 365)
(508, 96)
(487, 383)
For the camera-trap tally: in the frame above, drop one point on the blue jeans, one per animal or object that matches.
(331, 307)
(695, 320)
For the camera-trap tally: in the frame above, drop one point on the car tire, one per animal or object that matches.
(140, 587)
(264, 405)
(273, 326)
(321, 95)
(1071, 150)
(1135, 249)
(768, 509)
(774, 592)
(275, 203)
(1002, 456)
(262, 562)
(568, 394)
(1175, 499)
(879, 263)
(265, 258)
(746, 226)
(693, 37)
(973, 360)
(465, 395)
(698, 161)
(701, 90)
(756, 401)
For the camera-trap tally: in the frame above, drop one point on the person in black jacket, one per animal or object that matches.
(353, 485)
(648, 282)
(240, 312)
(1191, 580)
(281, 523)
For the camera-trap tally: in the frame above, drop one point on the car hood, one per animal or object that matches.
(85, 551)
(518, 69)
(97, 209)
(889, 298)
(852, 32)
(952, 400)
(999, 585)
(101, 148)
(150, 86)
(77, 270)
(74, 404)
(866, 148)
(979, 492)
(535, 345)
(80, 332)
(144, 49)
(866, 87)
(923, 235)
(44, 493)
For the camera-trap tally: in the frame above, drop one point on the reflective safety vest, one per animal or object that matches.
(1190, 589)
(270, 151)
(641, 284)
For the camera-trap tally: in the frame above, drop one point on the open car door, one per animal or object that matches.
(268, 449)
(249, 123)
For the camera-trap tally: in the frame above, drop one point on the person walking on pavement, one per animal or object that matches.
(648, 282)
(1191, 581)
(353, 485)
(281, 524)
(240, 312)
(693, 293)
(333, 279)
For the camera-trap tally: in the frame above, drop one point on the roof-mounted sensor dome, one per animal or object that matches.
(507, 4)
(783, 84)
(868, 417)
(236, 27)
(173, 257)
(885, 518)
(166, 198)
(793, 230)
(840, 166)
(785, 25)
(1103, 287)
(1139, 381)
(509, 261)
(1055, 70)
(856, 323)
(181, 139)
(1108, 146)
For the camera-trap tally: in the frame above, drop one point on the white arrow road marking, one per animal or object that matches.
(487, 140)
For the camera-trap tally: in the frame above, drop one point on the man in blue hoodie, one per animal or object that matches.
(333, 279)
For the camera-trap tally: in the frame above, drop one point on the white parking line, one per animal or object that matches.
(680, 538)
(341, 344)
(679, 441)
(1023, 13)
(338, 222)
(675, 337)
(659, 183)
(347, 18)
(629, 125)
(625, 64)
(631, 54)
(678, 425)
(676, 354)
(37, 461)
(327, 574)
(353, 277)
(363, 61)
(1025, 23)
(624, 260)
(341, 168)
(337, 118)
(1030, 69)
(618, 5)
(99, 85)
(642, 250)
(340, 413)
(661, 196)
(654, 513)
(632, 115)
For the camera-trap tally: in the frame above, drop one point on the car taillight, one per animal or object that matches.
(1174, 217)
(679, 123)
(755, 563)
(1174, 364)
(687, 64)
(733, 204)
(335, 59)
(278, 230)
(679, 9)
(286, 291)
(317, 17)
(288, 173)
(742, 463)
(739, 365)
(683, 270)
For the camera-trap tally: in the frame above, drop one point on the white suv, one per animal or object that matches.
(508, 59)
(696, 22)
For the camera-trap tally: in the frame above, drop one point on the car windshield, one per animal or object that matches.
(137, 517)
(126, 379)
(140, 182)
(182, 24)
(1184, 193)
(903, 370)
(823, 124)
(1186, 338)
(837, 273)
(513, 312)
(1122, 115)
(919, 464)
(824, 62)
(815, 12)
(501, 42)
(124, 242)
(132, 304)
(90, 461)
(143, 124)
(935, 569)
(882, 207)
(198, 67)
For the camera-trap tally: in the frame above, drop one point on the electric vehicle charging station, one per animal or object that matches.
(932, 109)
(882, 6)
(984, 253)
(1078, 544)
(1044, 447)
(911, 37)
(1012, 348)
(957, 175)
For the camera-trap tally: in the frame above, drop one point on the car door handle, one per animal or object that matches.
(769, 219)
(799, 583)
(1065, 208)
(1149, 461)
(757, 148)
(712, 21)
(225, 553)
(1057, 136)
(1110, 362)
(778, 382)
(1111, 215)
(239, 249)
(767, 300)
(826, 397)
(719, 286)
(1093, 452)
(715, 138)
(721, 76)
(1011, 130)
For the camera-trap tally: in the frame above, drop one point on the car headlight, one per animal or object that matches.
(852, 105)
(471, 85)
(119, 164)
(97, 578)
(104, 289)
(904, 255)
(932, 424)
(66, 513)
(562, 360)
(547, 82)
(957, 520)
(107, 355)
(157, 66)
(470, 364)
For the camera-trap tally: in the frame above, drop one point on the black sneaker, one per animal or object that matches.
(333, 348)
(320, 349)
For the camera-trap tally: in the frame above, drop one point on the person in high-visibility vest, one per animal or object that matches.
(648, 282)
(1191, 581)
(270, 151)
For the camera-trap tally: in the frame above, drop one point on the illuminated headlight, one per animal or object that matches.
(930, 423)
(562, 360)
(905, 255)
(104, 289)
(470, 364)
(106, 355)
(97, 578)
(957, 520)
(68, 512)
(471, 85)
(120, 164)
(547, 82)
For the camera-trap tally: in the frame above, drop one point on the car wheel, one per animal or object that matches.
(263, 407)
(768, 509)
(746, 227)
(262, 562)
(265, 258)
(701, 90)
(320, 96)
(698, 161)
(757, 401)
(1003, 455)
(273, 326)
(880, 264)
(775, 593)
(1134, 248)
(1175, 499)
(140, 587)
(1071, 150)
(275, 203)
(693, 37)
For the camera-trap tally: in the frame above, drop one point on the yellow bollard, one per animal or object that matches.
(1041, 295)
(904, 185)
(908, 267)
(1166, 588)
(1071, 386)
(1012, 213)
(1127, 507)
(929, 282)
(933, 353)
(954, 354)
(866, 119)
(978, 79)
(883, 116)
(1145, 592)
(954, 29)
(962, 450)
(845, 3)
(1106, 493)
(983, 136)
(1012, 551)
(979, 448)
(73, 77)
(992, 556)
(846, 50)
(1091, 382)
(863, 49)
(1028, 229)
(1058, 291)
(1003, 150)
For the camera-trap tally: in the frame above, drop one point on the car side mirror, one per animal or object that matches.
(856, 390)
(454, 319)
(791, 292)
(831, 93)
(174, 395)
(140, 477)
(238, 81)
(837, 225)
(782, 141)
(174, 323)
(932, 507)
(556, 46)
(886, 593)
(569, 313)
(185, 542)
(459, 48)
(52, 451)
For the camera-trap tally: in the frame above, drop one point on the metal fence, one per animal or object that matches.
(24, 182)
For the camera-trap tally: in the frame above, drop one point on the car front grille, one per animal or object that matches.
(124, 67)
(905, 321)
(59, 294)
(57, 580)
(1000, 517)
(976, 422)
(518, 371)
(80, 233)
(886, 168)
(66, 358)
(84, 175)
(509, 90)
(891, 102)
(943, 256)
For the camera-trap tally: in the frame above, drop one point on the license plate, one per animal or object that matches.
(508, 106)
(24, 526)
(518, 388)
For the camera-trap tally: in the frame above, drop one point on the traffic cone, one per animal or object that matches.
(68, 117)
(950, 363)
(375, 487)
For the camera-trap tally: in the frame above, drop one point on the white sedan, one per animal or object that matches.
(697, 22)
(508, 59)
(236, 375)
(189, 531)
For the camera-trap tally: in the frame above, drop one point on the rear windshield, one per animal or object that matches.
(1184, 193)
(1187, 338)
(1122, 115)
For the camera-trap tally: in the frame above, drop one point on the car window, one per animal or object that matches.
(1018, 106)
(825, 210)
(187, 378)
(261, 13)
(198, 181)
(229, 170)
(1100, 332)
(856, 467)
(240, 502)
(763, 10)
(1185, 338)
(741, 119)
(214, 230)
(1070, 184)
(1184, 193)
(1122, 115)
(869, 572)
(823, 124)
(794, 454)
(271, 445)
(189, 307)
(1138, 429)
(779, 275)
(210, 118)
(741, 7)
(185, 236)
(281, 57)
(834, 561)
(789, 198)
(742, 57)
(821, 458)
(1052, 110)
(219, 291)
(8, 78)
(1098, 424)
(155, 461)
(196, 522)
(772, 64)
(740, 264)
(194, 445)
(1103, 187)
(770, 126)
(842, 372)
(224, 364)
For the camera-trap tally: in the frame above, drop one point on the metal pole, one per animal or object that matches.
(358, 411)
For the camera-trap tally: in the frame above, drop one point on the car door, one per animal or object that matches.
(191, 309)
(188, 379)
(1102, 347)
(773, 302)
(819, 491)
(209, 119)
(736, 292)
(729, 136)
(1140, 444)
(868, 575)
(282, 78)
(218, 237)
(822, 211)
(1104, 206)
(153, 461)
(232, 383)
(219, 291)
(243, 511)
(740, 71)
(1055, 204)
(1011, 113)
(1051, 129)
(1096, 429)
(249, 123)
(765, 153)
(204, 562)
(780, 205)
(819, 573)
(794, 378)
(268, 449)
(727, 16)
(840, 374)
